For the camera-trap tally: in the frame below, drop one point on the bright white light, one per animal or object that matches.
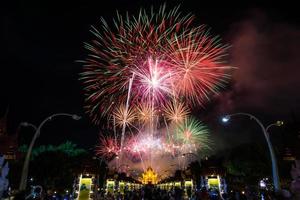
(262, 184)
(154, 82)
(225, 119)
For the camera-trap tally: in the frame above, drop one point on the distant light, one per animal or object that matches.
(54, 192)
(279, 123)
(225, 119)
(262, 184)
(243, 192)
(24, 124)
(67, 191)
(31, 179)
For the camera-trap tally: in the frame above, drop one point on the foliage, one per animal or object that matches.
(54, 169)
(51, 166)
(68, 148)
(249, 162)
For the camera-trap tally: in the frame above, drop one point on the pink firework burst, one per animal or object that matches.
(153, 81)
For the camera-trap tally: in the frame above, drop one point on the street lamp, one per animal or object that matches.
(24, 175)
(267, 137)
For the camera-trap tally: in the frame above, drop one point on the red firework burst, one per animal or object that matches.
(108, 147)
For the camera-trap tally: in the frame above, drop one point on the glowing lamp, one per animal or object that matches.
(225, 119)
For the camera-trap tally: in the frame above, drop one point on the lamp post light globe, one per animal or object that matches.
(279, 123)
(225, 119)
(24, 124)
(76, 117)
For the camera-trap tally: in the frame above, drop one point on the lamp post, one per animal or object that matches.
(23, 182)
(270, 147)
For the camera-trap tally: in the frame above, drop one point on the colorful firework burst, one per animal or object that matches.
(117, 52)
(148, 70)
(165, 54)
(145, 113)
(176, 112)
(192, 131)
(123, 116)
(108, 147)
(153, 81)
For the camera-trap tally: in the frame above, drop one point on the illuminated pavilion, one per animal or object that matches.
(149, 177)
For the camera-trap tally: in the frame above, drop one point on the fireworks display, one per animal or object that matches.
(123, 116)
(176, 112)
(191, 131)
(147, 72)
(108, 147)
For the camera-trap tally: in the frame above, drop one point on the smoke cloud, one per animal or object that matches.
(266, 54)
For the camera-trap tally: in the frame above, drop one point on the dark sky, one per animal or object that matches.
(41, 41)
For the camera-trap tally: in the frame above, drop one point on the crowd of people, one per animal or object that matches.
(154, 193)
(176, 193)
(150, 192)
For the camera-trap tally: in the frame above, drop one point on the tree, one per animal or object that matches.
(249, 162)
(51, 166)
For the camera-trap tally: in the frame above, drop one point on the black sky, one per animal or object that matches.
(41, 41)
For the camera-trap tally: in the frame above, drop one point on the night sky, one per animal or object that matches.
(41, 42)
